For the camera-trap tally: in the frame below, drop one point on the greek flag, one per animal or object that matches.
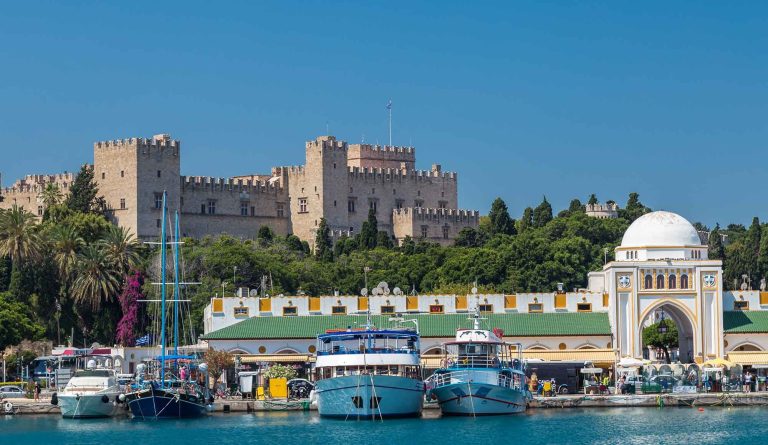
(389, 105)
(143, 341)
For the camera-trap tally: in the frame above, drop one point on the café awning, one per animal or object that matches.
(276, 358)
(748, 357)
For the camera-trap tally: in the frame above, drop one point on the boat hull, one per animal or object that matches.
(479, 399)
(352, 397)
(162, 404)
(83, 406)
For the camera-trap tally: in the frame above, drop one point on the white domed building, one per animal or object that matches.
(662, 269)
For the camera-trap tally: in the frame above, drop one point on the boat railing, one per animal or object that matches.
(341, 351)
(440, 379)
(469, 361)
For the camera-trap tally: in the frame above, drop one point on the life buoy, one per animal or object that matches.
(8, 407)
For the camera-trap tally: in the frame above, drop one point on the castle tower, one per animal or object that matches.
(132, 175)
(315, 189)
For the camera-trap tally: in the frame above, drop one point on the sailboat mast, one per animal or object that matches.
(176, 293)
(162, 289)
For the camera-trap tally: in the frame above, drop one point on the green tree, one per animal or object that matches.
(96, 279)
(218, 361)
(383, 240)
(323, 246)
(500, 221)
(19, 236)
(50, 196)
(369, 231)
(751, 250)
(542, 214)
(575, 206)
(716, 249)
(526, 222)
(265, 236)
(468, 237)
(592, 199)
(84, 193)
(762, 258)
(634, 209)
(664, 341)
(16, 324)
(121, 249)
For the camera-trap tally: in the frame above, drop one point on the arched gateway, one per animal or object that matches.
(662, 266)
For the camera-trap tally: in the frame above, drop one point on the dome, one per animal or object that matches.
(661, 229)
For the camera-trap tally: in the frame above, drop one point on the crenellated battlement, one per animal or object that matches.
(158, 141)
(386, 174)
(37, 183)
(210, 183)
(421, 213)
(327, 143)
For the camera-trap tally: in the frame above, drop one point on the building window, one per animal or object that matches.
(672, 281)
(243, 208)
(535, 307)
(122, 173)
(39, 210)
(202, 208)
(211, 206)
(338, 310)
(122, 203)
(103, 175)
(659, 281)
(241, 312)
(442, 204)
(373, 191)
(158, 200)
(485, 308)
(372, 204)
(399, 203)
(280, 210)
(253, 211)
(351, 205)
(387, 309)
(158, 223)
(290, 310)
(741, 305)
(159, 173)
(424, 231)
(436, 309)
(648, 283)
(683, 281)
(394, 192)
(418, 203)
(584, 307)
(302, 205)
(446, 230)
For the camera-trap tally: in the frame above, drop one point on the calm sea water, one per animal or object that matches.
(686, 426)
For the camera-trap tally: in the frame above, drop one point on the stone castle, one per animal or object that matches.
(339, 182)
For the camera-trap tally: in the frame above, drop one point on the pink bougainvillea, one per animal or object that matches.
(126, 327)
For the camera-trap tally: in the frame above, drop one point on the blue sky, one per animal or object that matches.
(561, 99)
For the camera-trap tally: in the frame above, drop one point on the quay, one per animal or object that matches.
(726, 399)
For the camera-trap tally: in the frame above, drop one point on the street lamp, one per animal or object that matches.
(662, 324)
(366, 269)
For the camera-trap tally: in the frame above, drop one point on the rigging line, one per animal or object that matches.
(471, 400)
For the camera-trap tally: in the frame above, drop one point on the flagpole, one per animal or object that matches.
(389, 108)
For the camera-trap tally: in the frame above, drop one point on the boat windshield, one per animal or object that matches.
(368, 342)
(93, 373)
(479, 355)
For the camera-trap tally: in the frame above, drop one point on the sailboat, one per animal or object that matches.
(158, 393)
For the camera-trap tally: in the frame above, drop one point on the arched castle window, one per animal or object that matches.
(683, 281)
(660, 281)
(648, 282)
(672, 281)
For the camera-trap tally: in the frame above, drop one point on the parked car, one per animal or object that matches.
(12, 392)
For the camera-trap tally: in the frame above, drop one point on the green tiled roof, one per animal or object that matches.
(430, 325)
(745, 322)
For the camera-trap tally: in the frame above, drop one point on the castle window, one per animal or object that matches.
(39, 210)
(158, 223)
(372, 205)
(648, 284)
(683, 281)
(442, 204)
(418, 193)
(302, 205)
(243, 208)
(159, 173)
(202, 208)
(211, 206)
(659, 281)
(103, 175)
(122, 203)
(424, 231)
(442, 194)
(436, 309)
(280, 210)
(122, 173)
(373, 191)
(418, 203)
(334, 203)
(672, 281)
(394, 192)
(181, 201)
(350, 190)
(290, 310)
(334, 165)
(253, 211)
(446, 230)
(399, 203)
(351, 205)
(387, 309)
(158, 200)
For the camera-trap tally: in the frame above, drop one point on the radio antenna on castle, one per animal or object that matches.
(389, 109)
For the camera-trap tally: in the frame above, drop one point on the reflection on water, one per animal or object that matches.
(573, 426)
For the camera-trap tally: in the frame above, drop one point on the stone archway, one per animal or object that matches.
(677, 314)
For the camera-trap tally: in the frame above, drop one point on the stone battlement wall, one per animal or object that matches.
(435, 225)
(327, 143)
(228, 184)
(396, 174)
(37, 183)
(377, 156)
(420, 214)
(157, 141)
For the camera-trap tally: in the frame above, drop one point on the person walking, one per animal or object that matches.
(747, 382)
(37, 391)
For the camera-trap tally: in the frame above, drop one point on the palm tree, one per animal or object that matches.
(51, 195)
(19, 238)
(96, 279)
(121, 249)
(66, 243)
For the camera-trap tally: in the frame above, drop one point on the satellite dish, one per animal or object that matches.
(253, 293)
(386, 291)
(383, 284)
(376, 291)
(397, 291)
(363, 291)
(474, 290)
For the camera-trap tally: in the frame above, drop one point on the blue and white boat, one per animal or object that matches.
(369, 374)
(159, 392)
(479, 375)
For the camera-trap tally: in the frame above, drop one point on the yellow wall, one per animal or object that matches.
(510, 301)
(605, 300)
(461, 302)
(763, 298)
(218, 305)
(362, 303)
(265, 305)
(412, 303)
(559, 301)
(314, 304)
